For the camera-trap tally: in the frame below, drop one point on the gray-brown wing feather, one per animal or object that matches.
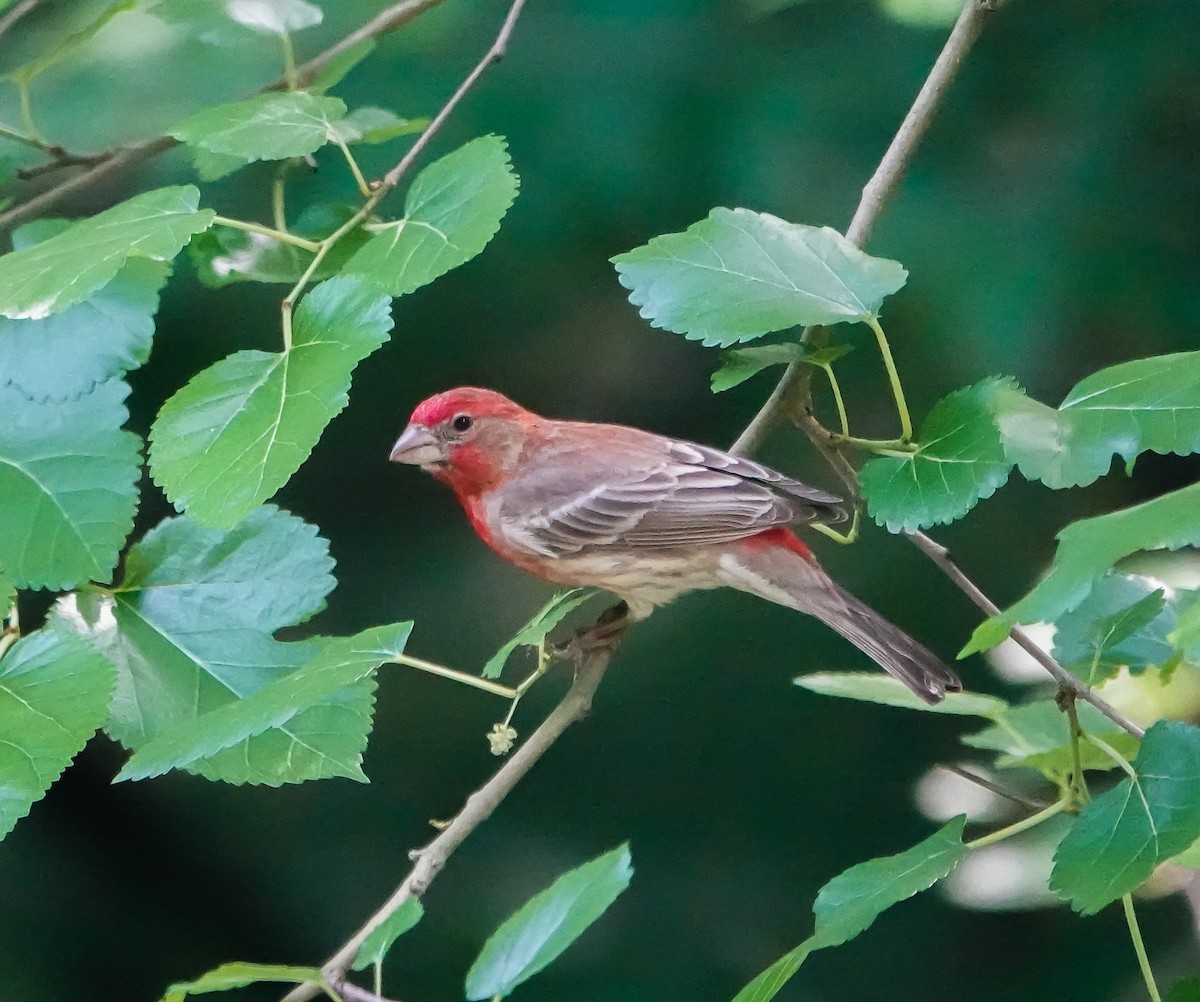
(670, 494)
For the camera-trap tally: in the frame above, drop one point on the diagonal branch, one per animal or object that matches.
(122, 158)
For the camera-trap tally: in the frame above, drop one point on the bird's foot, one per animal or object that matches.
(604, 634)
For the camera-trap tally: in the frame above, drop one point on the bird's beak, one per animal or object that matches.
(419, 447)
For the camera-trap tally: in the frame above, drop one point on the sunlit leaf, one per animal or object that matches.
(69, 267)
(1121, 835)
(1149, 404)
(452, 210)
(851, 901)
(547, 924)
(271, 126)
(233, 436)
(737, 274)
(238, 975)
(54, 693)
(1087, 549)
(375, 125)
(959, 461)
(872, 687)
(68, 486)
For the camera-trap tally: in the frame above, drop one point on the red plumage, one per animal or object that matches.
(644, 516)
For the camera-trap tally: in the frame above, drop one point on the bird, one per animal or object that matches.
(646, 517)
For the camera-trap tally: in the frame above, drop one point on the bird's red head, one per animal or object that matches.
(466, 437)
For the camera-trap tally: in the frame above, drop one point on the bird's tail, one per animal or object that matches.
(788, 575)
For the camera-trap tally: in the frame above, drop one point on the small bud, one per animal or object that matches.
(501, 738)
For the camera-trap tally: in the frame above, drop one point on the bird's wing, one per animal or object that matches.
(667, 493)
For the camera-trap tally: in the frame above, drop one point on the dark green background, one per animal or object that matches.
(1049, 223)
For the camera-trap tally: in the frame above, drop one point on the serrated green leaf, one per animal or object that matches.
(1087, 549)
(65, 355)
(959, 461)
(872, 687)
(214, 166)
(238, 975)
(737, 275)
(68, 268)
(547, 924)
(38, 230)
(68, 486)
(54, 693)
(1123, 623)
(534, 632)
(271, 126)
(452, 210)
(8, 595)
(191, 628)
(849, 904)
(375, 947)
(1146, 405)
(375, 125)
(338, 663)
(232, 436)
(1120, 837)
(740, 364)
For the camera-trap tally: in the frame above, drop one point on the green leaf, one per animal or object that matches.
(271, 126)
(338, 664)
(337, 68)
(8, 595)
(68, 268)
(738, 274)
(851, 901)
(534, 632)
(547, 924)
(740, 364)
(68, 486)
(236, 432)
(875, 688)
(1149, 404)
(191, 628)
(375, 125)
(238, 975)
(1186, 634)
(376, 945)
(274, 17)
(1123, 623)
(959, 461)
(55, 53)
(1086, 551)
(452, 210)
(65, 355)
(54, 693)
(1124, 833)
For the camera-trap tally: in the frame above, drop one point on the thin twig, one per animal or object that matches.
(941, 556)
(120, 158)
(351, 992)
(15, 14)
(987, 784)
(794, 387)
(478, 808)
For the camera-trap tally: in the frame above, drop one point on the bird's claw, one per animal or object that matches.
(604, 634)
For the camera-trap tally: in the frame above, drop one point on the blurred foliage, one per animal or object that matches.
(1048, 228)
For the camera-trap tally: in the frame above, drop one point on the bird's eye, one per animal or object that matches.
(463, 422)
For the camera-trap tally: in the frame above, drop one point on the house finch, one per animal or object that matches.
(644, 516)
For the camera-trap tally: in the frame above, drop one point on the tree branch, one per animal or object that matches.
(794, 389)
(15, 14)
(121, 158)
(478, 808)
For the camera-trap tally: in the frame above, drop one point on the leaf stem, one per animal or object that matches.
(837, 399)
(893, 378)
(361, 181)
(312, 246)
(1115, 755)
(1139, 947)
(289, 61)
(845, 538)
(1079, 787)
(885, 446)
(458, 676)
(1020, 826)
(279, 197)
